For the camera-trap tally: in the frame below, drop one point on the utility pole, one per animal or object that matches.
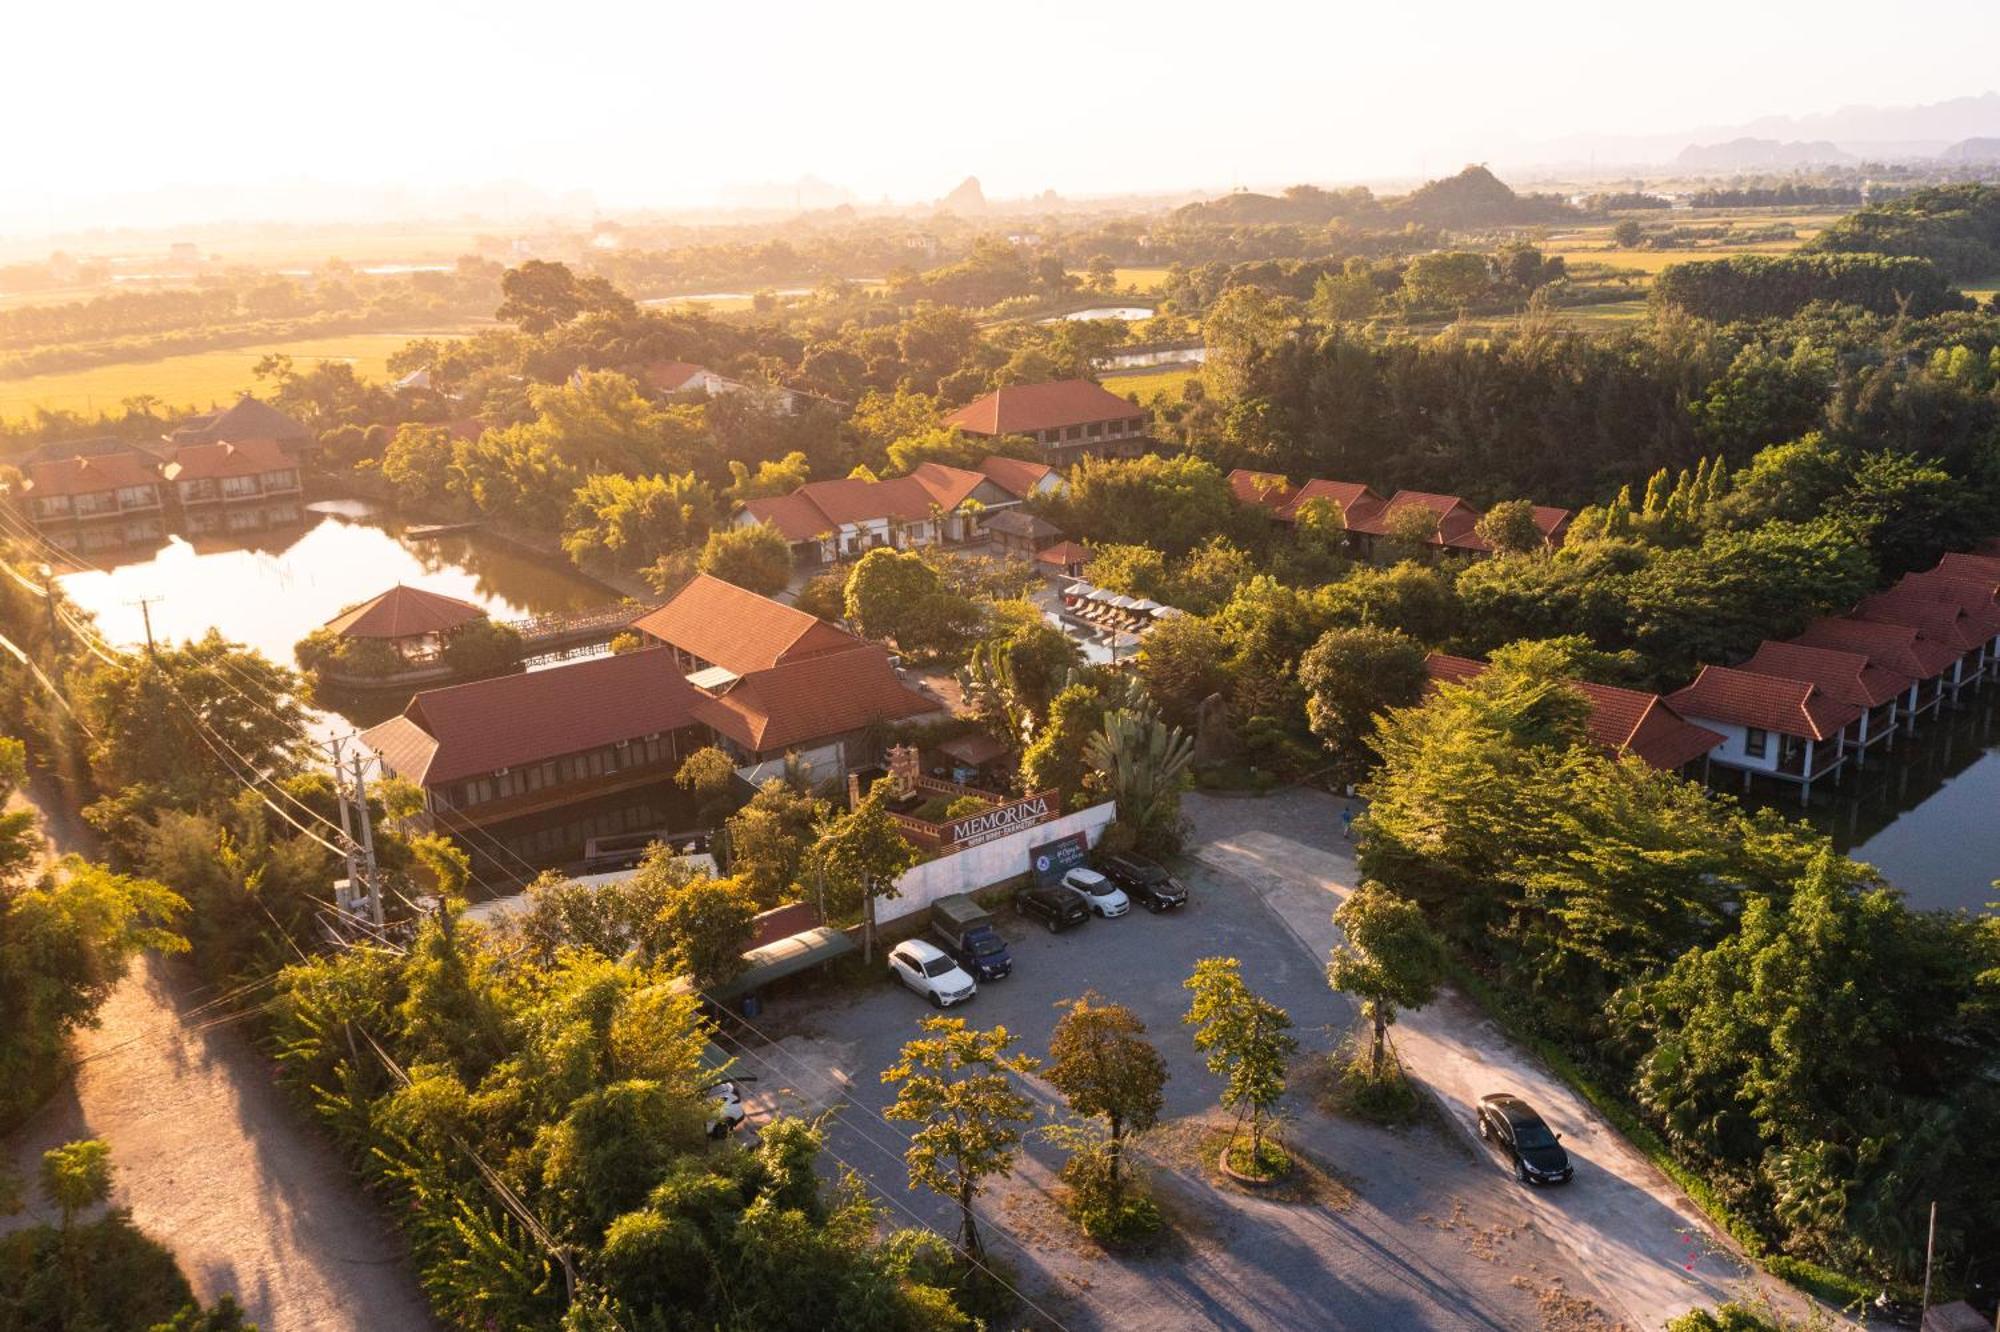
(1930, 1245)
(49, 603)
(368, 872)
(346, 826)
(362, 874)
(145, 605)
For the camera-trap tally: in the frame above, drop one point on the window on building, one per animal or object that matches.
(1094, 430)
(1756, 742)
(1073, 432)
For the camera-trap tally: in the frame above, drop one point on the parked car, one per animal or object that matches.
(925, 968)
(725, 1109)
(1538, 1157)
(1148, 884)
(965, 930)
(1052, 904)
(1101, 895)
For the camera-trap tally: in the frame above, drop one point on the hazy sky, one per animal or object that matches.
(671, 102)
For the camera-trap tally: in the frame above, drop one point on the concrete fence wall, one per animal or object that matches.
(989, 863)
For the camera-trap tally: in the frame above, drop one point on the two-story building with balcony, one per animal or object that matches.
(1068, 418)
(95, 502)
(235, 486)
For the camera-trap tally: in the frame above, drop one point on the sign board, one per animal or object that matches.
(1000, 820)
(1052, 860)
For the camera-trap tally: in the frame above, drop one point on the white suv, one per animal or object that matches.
(1101, 895)
(926, 969)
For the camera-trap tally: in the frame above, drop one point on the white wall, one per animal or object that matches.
(1730, 751)
(989, 863)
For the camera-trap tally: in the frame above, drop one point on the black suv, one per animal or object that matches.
(1506, 1119)
(1146, 883)
(1052, 904)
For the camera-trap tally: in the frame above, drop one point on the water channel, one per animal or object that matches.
(269, 589)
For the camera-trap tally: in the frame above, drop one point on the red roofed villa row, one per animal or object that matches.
(828, 521)
(1069, 418)
(1793, 730)
(1369, 518)
(1799, 710)
(497, 750)
(1622, 721)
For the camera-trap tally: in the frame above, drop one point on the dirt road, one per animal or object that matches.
(216, 1163)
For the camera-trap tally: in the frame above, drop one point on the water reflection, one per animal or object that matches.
(271, 588)
(1927, 814)
(268, 589)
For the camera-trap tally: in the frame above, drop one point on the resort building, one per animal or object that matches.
(1895, 648)
(1369, 518)
(1791, 730)
(772, 680)
(539, 765)
(829, 521)
(1849, 677)
(1622, 721)
(1968, 635)
(1068, 418)
(1065, 560)
(94, 502)
(250, 419)
(413, 622)
(232, 486)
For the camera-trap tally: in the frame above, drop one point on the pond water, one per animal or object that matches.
(1927, 813)
(270, 589)
(1129, 313)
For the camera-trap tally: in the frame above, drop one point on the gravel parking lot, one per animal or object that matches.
(1411, 1232)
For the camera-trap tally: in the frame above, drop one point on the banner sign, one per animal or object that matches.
(1052, 860)
(1000, 820)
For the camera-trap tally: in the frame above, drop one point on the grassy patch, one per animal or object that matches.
(1147, 383)
(1140, 279)
(197, 379)
(1344, 1083)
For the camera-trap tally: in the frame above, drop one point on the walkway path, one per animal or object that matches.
(217, 1163)
(1650, 1249)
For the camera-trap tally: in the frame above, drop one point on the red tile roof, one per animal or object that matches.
(1455, 519)
(249, 418)
(1023, 409)
(403, 612)
(1942, 621)
(1064, 554)
(1765, 702)
(248, 457)
(669, 376)
(1971, 595)
(467, 730)
(818, 508)
(736, 629)
(811, 699)
(1847, 676)
(1265, 489)
(1985, 568)
(1356, 502)
(1893, 647)
(1621, 720)
(1016, 476)
(1553, 522)
(88, 476)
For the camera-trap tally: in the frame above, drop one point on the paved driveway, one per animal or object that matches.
(1654, 1253)
(1431, 1238)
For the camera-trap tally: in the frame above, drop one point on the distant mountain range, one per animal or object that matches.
(1962, 129)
